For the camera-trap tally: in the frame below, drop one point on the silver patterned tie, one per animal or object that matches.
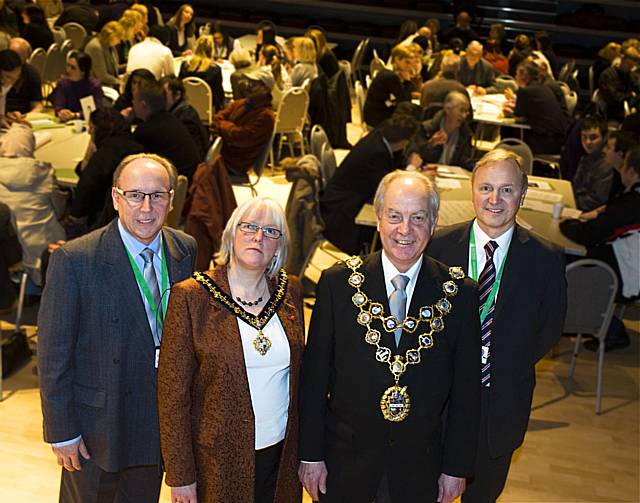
(398, 301)
(149, 274)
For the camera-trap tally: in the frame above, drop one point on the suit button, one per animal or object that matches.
(116, 361)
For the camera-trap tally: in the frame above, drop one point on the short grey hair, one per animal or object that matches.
(498, 155)
(433, 198)
(274, 213)
(455, 98)
(166, 164)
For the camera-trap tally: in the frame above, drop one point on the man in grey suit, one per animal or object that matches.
(100, 324)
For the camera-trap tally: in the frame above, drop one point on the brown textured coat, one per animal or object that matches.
(206, 417)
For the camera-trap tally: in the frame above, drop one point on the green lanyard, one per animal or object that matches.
(474, 274)
(147, 291)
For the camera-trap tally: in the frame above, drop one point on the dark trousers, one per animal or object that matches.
(267, 463)
(491, 473)
(138, 484)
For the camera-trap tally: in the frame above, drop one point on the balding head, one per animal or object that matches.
(473, 53)
(21, 47)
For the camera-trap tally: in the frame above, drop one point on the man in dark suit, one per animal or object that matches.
(393, 341)
(355, 182)
(522, 289)
(161, 132)
(100, 325)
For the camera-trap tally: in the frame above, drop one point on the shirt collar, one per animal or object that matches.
(390, 271)
(482, 238)
(134, 246)
(388, 145)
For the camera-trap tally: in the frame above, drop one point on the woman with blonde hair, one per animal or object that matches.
(390, 87)
(325, 58)
(229, 369)
(304, 54)
(104, 56)
(132, 24)
(202, 65)
(183, 31)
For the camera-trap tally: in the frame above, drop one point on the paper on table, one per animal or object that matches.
(571, 213)
(42, 138)
(539, 184)
(534, 205)
(455, 212)
(447, 183)
(551, 197)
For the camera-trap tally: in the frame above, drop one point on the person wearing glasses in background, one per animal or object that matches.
(229, 366)
(100, 327)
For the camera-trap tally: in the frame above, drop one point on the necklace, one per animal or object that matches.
(261, 343)
(395, 402)
(248, 303)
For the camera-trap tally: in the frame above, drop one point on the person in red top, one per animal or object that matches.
(246, 125)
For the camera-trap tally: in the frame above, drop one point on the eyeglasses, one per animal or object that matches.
(137, 197)
(267, 232)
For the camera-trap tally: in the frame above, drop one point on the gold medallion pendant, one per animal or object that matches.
(395, 403)
(261, 343)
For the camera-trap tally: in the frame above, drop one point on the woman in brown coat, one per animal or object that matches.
(229, 365)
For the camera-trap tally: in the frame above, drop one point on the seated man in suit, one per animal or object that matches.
(161, 132)
(354, 182)
(617, 85)
(594, 177)
(436, 90)
(612, 234)
(475, 71)
(393, 339)
(99, 333)
(522, 293)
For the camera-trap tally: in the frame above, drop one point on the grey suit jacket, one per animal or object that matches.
(95, 348)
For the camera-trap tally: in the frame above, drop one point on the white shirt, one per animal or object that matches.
(390, 272)
(152, 55)
(268, 378)
(503, 241)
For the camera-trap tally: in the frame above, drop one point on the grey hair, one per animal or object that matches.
(166, 164)
(433, 198)
(275, 214)
(502, 155)
(455, 98)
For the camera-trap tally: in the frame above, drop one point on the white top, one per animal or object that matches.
(268, 378)
(390, 272)
(152, 55)
(482, 239)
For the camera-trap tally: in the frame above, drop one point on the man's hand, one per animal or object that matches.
(68, 455)
(439, 137)
(415, 160)
(449, 488)
(314, 478)
(184, 494)
(65, 115)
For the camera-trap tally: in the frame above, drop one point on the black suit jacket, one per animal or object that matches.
(342, 384)
(96, 351)
(527, 321)
(352, 185)
(165, 135)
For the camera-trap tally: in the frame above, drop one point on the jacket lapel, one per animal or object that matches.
(178, 262)
(426, 292)
(374, 287)
(122, 283)
(514, 268)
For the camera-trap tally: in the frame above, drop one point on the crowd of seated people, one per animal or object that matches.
(128, 49)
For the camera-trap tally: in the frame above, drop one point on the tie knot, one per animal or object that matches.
(400, 282)
(147, 255)
(490, 249)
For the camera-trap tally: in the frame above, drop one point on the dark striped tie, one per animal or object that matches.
(485, 283)
(149, 274)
